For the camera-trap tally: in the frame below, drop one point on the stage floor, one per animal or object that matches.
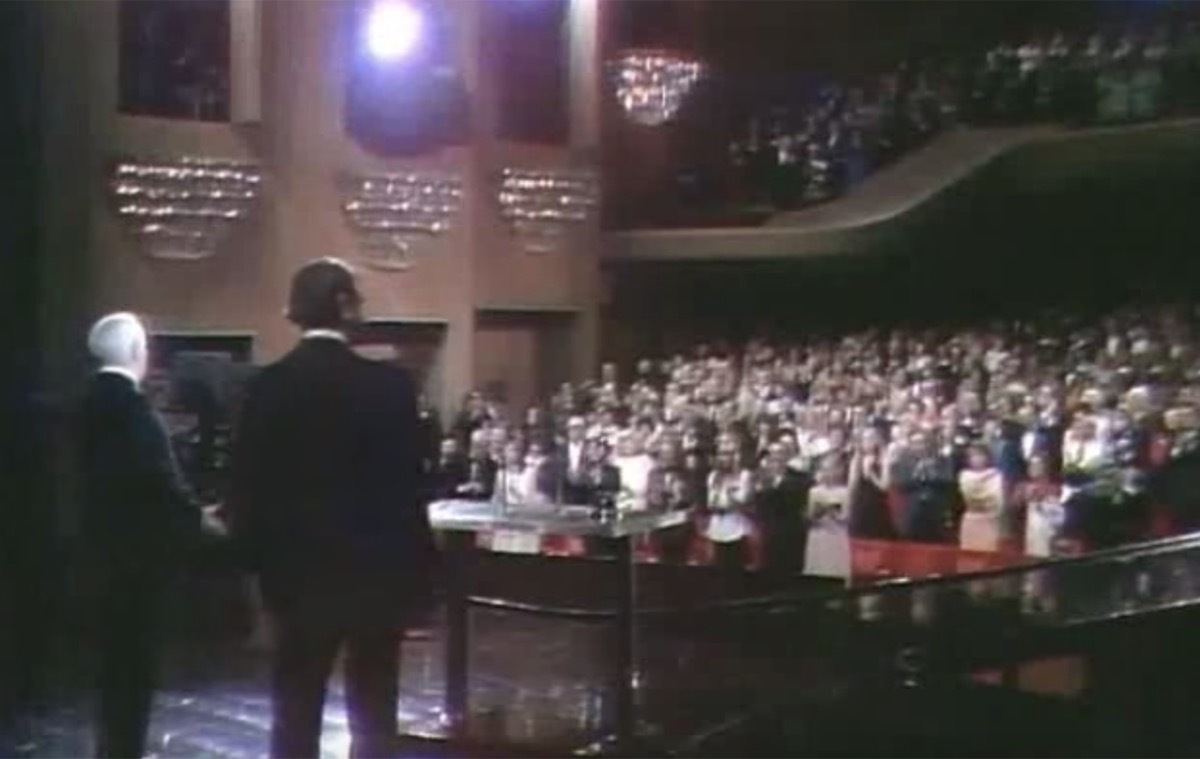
(534, 682)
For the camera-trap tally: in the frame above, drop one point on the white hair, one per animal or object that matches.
(118, 340)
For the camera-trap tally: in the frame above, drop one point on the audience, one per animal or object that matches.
(1045, 436)
(820, 144)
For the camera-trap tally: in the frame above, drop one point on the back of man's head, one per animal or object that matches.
(119, 340)
(323, 295)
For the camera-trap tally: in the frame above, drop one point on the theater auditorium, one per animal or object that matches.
(788, 378)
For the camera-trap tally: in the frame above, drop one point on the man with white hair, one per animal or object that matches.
(138, 515)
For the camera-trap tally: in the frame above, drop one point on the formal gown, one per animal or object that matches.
(827, 551)
(1044, 517)
(511, 487)
(726, 494)
(726, 525)
(981, 528)
(869, 513)
(635, 481)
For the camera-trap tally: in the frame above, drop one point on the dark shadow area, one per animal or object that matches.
(28, 555)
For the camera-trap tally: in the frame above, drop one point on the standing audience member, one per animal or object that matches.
(869, 516)
(982, 485)
(827, 553)
(930, 490)
(779, 508)
(730, 496)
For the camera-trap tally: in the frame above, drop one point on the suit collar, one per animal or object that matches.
(324, 334)
(322, 344)
(120, 371)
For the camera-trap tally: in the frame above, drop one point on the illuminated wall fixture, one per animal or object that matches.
(651, 85)
(182, 209)
(392, 213)
(540, 204)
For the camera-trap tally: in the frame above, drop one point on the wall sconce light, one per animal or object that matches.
(391, 214)
(183, 209)
(541, 204)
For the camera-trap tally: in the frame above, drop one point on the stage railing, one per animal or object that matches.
(871, 560)
(733, 657)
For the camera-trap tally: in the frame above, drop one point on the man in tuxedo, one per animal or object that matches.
(480, 481)
(572, 462)
(931, 492)
(325, 503)
(138, 516)
(780, 508)
(451, 471)
(598, 485)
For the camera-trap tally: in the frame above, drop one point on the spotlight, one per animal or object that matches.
(393, 30)
(405, 94)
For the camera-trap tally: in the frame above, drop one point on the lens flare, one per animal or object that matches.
(393, 30)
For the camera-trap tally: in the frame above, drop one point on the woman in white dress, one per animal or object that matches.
(510, 479)
(827, 551)
(636, 468)
(730, 497)
(982, 487)
(1083, 450)
(1041, 498)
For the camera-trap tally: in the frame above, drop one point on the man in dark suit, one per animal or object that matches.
(325, 502)
(452, 469)
(598, 485)
(780, 509)
(480, 481)
(572, 462)
(137, 515)
(601, 480)
(928, 482)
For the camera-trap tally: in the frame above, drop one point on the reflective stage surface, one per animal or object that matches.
(534, 682)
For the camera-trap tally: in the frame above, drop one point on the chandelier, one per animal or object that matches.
(182, 209)
(391, 213)
(540, 204)
(651, 85)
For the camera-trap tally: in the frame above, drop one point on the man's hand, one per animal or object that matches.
(211, 521)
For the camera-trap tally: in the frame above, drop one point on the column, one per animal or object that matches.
(586, 74)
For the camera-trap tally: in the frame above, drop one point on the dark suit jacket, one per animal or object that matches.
(780, 512)
(447, 477)
(602, 483)
(482, 473)
(556, 477)
(587, 484)
(137, 511)
(325, 497)
(1176, 486)
(932, 497)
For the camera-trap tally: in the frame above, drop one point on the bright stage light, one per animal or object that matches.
(393, 30)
